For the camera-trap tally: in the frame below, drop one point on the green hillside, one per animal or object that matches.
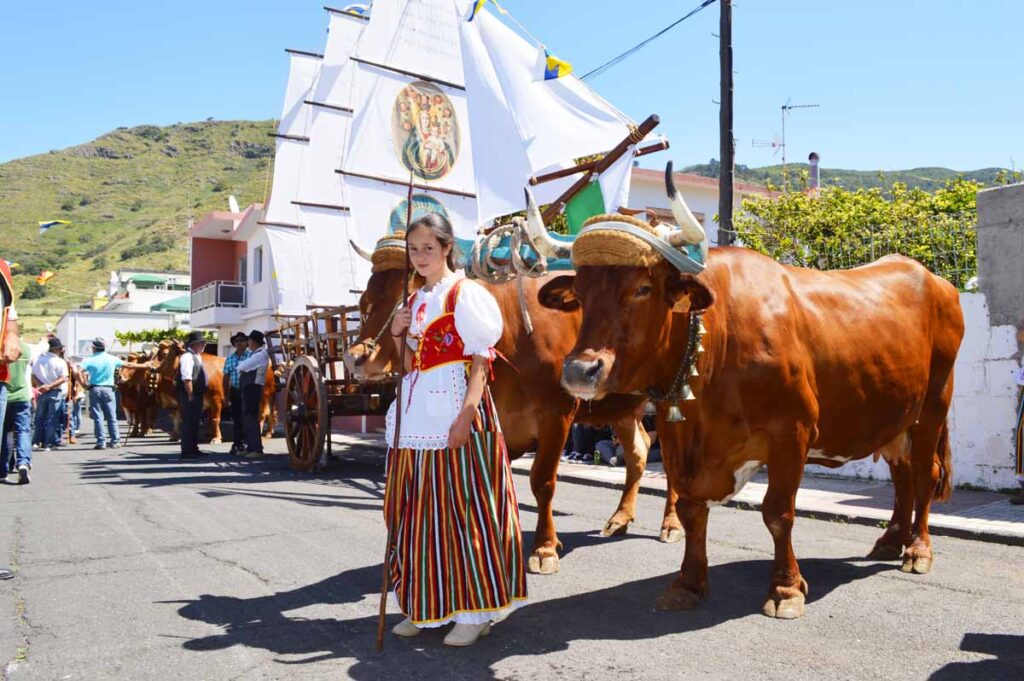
(129, 195)
(928, 179)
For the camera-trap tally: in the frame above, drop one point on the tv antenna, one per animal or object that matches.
(786, 108)
(775, 143)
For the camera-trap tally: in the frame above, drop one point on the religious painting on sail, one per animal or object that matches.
(421, 205)
(425, 131)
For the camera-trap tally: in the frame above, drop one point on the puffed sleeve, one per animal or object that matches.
(477, 319)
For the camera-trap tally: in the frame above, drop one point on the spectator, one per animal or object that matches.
(191, 382)
(10, 349)
(50, 372)
(252, 375)
(17, 424)
(100, 370)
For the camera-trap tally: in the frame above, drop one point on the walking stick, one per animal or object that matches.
(386, 578)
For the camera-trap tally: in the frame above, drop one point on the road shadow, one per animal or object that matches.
(623, 612)
(1008, 650)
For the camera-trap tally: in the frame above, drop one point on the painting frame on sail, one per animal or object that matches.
(425, 131)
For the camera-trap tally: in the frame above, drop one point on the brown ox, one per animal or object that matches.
(800, 366)
(137, 397)
(534, 411)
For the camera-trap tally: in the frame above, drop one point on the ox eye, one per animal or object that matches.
(643, 291)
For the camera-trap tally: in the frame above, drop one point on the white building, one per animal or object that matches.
(77, 329)
(135, 290)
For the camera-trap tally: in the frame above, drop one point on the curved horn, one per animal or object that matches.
(538, 235)
(360, 251)
(690, 231)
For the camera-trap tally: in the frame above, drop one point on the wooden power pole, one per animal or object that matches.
(727, 146)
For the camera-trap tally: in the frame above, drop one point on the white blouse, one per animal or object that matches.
(432, 399)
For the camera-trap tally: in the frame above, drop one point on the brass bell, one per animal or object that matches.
(687, 394)
(699, 349)
(675, 414)
(693, 371)
(701, 329)
(649, 408)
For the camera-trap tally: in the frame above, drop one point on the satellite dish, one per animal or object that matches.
(233, 204)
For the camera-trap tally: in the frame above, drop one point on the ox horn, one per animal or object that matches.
(538, 234)
(360, 251)
(690, 231)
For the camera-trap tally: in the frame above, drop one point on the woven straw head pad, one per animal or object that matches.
(389, 256)
(608, 247)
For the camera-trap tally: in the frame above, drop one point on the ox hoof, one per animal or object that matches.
(670, 535)
(921, 565)
(613, 528)
(886, 552)
(542, 565)
(678, 599)
(790, 608)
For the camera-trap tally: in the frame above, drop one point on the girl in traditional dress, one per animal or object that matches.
(450, 504)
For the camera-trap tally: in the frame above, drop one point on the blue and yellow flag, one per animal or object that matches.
(479, 5)
(47, 224)
(45, 276)
(12, 265)
(555, 67)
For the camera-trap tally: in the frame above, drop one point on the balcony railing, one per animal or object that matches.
(219, 294)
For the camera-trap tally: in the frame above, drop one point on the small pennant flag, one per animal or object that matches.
(12, 265)
(479, 5)
(45, 276)
(555, 67)
(45, 226)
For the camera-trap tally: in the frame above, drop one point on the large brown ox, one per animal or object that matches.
(167, 363)
(800, 366)
(137, 395)
(534, 411)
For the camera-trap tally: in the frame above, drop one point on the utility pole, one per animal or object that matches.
(726, 142)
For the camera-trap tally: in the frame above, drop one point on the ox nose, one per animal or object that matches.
(581, 372)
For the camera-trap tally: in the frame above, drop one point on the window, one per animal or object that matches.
(243, 269)
(257, 265)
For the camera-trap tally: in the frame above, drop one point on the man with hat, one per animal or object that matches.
(252, 376)
(233, 389)
(99, 371)
(50, 373)
(191, 382)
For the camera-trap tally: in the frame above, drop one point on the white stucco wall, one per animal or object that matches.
(983, 415)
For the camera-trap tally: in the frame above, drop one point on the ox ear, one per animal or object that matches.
(686, 293)
(557, 294)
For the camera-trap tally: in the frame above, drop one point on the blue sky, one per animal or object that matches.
(900, 83)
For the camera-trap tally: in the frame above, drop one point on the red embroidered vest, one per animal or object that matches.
(441, 343)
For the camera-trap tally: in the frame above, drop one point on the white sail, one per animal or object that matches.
(417, 36)
(292, 140)
(288, 265)
(539, 125)
(379, 209)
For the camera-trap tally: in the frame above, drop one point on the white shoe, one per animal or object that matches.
(405, 629)
(463, 635)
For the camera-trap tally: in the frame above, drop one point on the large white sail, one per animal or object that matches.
(411, 121)
(539, 125)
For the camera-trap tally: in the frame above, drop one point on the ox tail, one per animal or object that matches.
(944, 485)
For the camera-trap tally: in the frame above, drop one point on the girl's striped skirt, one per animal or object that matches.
(457, 552)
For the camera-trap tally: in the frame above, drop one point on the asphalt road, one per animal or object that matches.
(134, 565)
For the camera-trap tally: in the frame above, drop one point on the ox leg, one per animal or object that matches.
(671, 525)
(176, 425)
(635, 444)
(786, 595)
(897, 535)
(925, 438)
(691, 586)
(544, 558)
(214, 412)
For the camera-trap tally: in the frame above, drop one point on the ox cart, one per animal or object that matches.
(308, 356)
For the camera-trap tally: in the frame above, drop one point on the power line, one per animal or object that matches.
(636, 48)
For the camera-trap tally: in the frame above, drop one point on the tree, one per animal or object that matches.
(33, 291)
(835, 228)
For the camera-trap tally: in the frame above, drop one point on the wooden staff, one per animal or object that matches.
(386, 578)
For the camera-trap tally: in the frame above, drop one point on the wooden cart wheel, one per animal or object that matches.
(306, 419)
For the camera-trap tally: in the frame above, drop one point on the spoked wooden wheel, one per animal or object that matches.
(306, 420)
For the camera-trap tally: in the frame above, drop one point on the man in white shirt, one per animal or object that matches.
(50, 374)
(252, 374)
(191, 383)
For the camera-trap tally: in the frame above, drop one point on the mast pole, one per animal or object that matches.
(727, 145)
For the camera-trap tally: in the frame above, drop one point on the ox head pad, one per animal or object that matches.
(598, 246)
(389, 254)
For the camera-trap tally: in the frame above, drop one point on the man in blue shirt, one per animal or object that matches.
(233, 389)
(100, 369)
